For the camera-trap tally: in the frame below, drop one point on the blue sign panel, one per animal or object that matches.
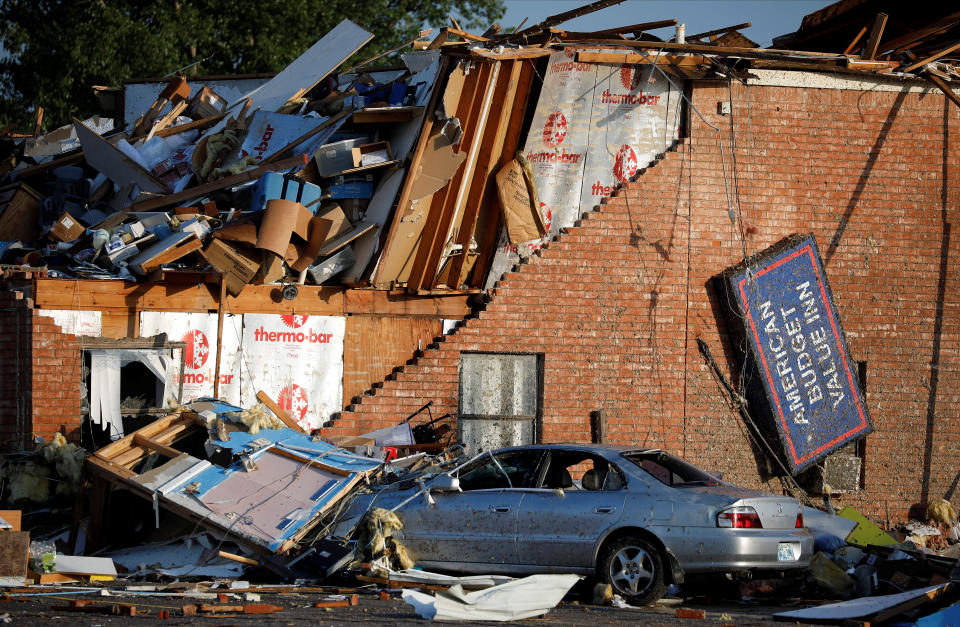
(793, 332)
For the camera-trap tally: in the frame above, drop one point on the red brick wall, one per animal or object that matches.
(39, 375)
(616, 304)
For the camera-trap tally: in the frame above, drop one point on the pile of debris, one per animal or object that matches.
(402, 176)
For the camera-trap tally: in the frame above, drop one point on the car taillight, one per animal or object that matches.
(739, 518)
(799, 524)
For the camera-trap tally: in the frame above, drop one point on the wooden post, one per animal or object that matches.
(216, 372)
(598, 427)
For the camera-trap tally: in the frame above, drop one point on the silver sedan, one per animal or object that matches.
(637, 518)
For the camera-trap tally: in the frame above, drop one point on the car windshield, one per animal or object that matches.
(670, 470)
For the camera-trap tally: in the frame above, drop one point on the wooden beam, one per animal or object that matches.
(743, 53)
(279, 412)
(202, 190)
(157, 447)
(566, 16)
(906, 40)
(853, 44)
(719, 31)
(633, 58)
(933, 57)
(944, 86)
(873, 41)
(632, 28)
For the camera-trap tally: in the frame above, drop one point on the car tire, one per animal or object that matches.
(634, 567)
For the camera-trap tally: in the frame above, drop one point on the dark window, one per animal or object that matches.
(510, 469)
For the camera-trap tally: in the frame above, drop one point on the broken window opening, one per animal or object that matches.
(126, 383)
(500, 400)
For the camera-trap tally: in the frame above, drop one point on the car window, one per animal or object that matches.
(576, 470)
(491, 471)
(670, 470)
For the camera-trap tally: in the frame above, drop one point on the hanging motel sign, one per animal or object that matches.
(803, 372)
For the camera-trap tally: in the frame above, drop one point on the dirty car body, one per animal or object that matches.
(638, 518)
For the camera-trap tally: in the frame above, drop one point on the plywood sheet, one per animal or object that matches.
(375, 345)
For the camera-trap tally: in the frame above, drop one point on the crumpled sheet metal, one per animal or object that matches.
(516, 600)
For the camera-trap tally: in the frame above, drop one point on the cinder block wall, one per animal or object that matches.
(40, 373)
(616, 304)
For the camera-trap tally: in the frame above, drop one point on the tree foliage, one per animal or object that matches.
(58, 49)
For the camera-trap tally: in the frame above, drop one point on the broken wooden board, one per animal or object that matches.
(112, 163)
(309, 68)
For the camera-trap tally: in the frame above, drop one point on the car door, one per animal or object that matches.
(561, 519)
(479, 524)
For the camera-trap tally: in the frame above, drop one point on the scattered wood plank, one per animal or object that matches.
(932, 57)
(279, 412)
(873, 41)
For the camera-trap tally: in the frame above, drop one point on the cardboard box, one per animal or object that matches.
(369, 154)
(19, 213)
(336, 157)
(66, 228)
(237, 266)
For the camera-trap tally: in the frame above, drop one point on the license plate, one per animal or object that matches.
(787, 553)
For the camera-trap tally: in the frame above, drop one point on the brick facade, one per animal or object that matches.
(40, 375)
(616, 304)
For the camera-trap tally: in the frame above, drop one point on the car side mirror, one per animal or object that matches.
(445, 483)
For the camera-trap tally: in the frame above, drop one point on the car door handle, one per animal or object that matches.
(604, 509)
(503, 509)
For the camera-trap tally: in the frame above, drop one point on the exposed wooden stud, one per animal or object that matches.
(438, 217)
(487, 163)
(454, 22)
(466, 178)
(155, 446)
(490, 230)
(933, 57)
(873, 41)
(853, 44)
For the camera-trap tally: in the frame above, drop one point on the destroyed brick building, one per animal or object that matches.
(594, 327)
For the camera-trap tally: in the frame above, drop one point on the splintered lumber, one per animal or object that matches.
(278, 411)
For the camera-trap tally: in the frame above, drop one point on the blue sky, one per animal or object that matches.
(769, 17)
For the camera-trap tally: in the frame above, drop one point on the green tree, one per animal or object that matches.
(56, 50)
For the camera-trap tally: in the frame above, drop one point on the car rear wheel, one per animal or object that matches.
(634, 567)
